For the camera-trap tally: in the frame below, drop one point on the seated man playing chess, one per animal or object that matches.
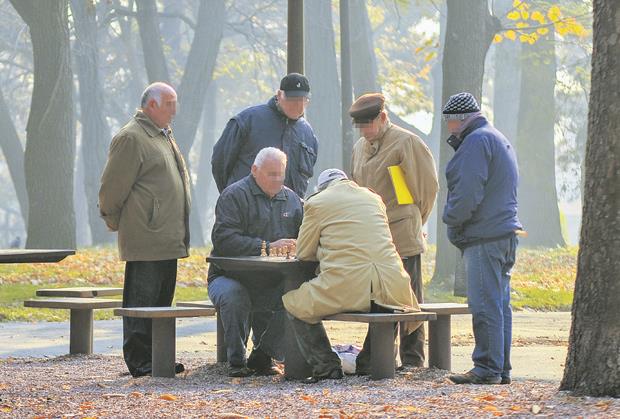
(253, 216)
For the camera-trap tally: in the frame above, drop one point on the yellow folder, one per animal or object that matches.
(403, 195)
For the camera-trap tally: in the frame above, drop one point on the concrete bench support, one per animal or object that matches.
(81, 318)
(382, 326)
(440, 333)
(164, 332)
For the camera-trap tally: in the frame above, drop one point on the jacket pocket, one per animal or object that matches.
(154, 218)
(307, 158)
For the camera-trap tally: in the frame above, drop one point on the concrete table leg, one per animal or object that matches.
(164, 347)
(382, 362)
(222, 355)
(439, 345)
(81, 332)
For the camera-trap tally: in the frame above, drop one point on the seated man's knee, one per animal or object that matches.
(226, 292)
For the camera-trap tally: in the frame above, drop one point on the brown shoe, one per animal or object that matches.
(471, 378)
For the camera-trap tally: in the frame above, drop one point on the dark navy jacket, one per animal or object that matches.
(482, 179)
(263, 126)
(245, 216)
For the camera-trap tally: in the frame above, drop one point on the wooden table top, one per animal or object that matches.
(262, 264)
(34, 255)
(80, 292)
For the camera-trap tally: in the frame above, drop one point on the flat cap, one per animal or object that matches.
(367, 107)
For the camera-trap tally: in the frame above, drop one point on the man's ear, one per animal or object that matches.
(254, 170)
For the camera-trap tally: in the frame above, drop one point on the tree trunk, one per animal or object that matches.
(136, 73)
(321, 68)
(154, 58)
(538, 198)
(50, 146)
(14, 156)
(592, 363)
(346, 85)
(469, 32)
(364, 63)
(507, 78)
(95, 129)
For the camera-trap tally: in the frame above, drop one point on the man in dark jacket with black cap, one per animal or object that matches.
(279, 123)
(481, 215)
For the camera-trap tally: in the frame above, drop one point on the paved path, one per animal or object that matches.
(539, 341)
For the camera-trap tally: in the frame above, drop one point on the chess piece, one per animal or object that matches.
(263, 248)
(286, 252)
(293, 250)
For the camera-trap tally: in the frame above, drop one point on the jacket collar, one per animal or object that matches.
(147, 124)
(256, 190)
(273, 105)
(455, 141)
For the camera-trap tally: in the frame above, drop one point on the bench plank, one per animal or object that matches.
(198, 304)
(80, 292)
(74, 303)
(445, 308)
(163, 312)
(382, 317)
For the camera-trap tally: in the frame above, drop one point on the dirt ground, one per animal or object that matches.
(36, 380)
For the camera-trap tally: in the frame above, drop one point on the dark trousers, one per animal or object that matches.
(147, 284)
(315, 347)
(412, 346)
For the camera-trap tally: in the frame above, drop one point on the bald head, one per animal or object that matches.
(159, 102)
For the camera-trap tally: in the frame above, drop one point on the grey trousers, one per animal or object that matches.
(315, 347)
(412, 346)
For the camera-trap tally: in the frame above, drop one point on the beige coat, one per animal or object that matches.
(395, 146)
(345, 229)
(144, 193)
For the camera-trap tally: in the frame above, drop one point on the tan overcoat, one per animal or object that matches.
(345, 229)
(395, 146)
(144, 193)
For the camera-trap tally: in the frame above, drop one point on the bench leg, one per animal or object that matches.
(382, 362)
(164, 347)
(439, 345)
(81, 332)
(222, 355)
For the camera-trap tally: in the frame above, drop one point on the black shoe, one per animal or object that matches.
(178, 368)
(262, 364)
(272, 369)
(506, 380)
(471, 378)
(335, 374)
(239, 371)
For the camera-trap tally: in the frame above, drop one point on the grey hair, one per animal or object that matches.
(269, 153)
(154, 91)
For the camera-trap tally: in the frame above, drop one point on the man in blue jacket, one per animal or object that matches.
(481, 215)
(279, 123)
(256, 209)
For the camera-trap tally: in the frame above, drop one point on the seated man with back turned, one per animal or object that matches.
(345, 228)
(253, 210)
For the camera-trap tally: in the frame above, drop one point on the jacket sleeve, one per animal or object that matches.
(467, 189)
(309, 234)
(226, 153)
(119, 176)
(421, 175)
(228, 236)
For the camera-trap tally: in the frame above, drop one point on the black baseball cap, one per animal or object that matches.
(295, 85)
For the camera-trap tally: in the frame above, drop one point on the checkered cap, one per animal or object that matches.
(460, 104)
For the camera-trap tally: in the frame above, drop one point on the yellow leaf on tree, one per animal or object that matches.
(525, 14)
(524, 38)
(539, 17)
(542, 31)
(512, 35)
(514, 15)
(554, 13)
(497, 38)
(521, 25)
(516, 3)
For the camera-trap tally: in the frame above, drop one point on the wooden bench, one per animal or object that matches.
(440, 334)
(164, 332)
(382, 325)
(81, 323)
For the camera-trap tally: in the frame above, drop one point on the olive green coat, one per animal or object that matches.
(395, 146)
(144, 193)
(345, 229)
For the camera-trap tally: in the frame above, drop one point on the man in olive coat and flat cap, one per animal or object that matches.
(345, 229)
(145, 196)
(383, 145)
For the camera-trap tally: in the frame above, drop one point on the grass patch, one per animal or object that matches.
(543, 279)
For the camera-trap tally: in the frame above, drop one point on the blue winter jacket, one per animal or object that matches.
(263, 126)
(482, 179)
